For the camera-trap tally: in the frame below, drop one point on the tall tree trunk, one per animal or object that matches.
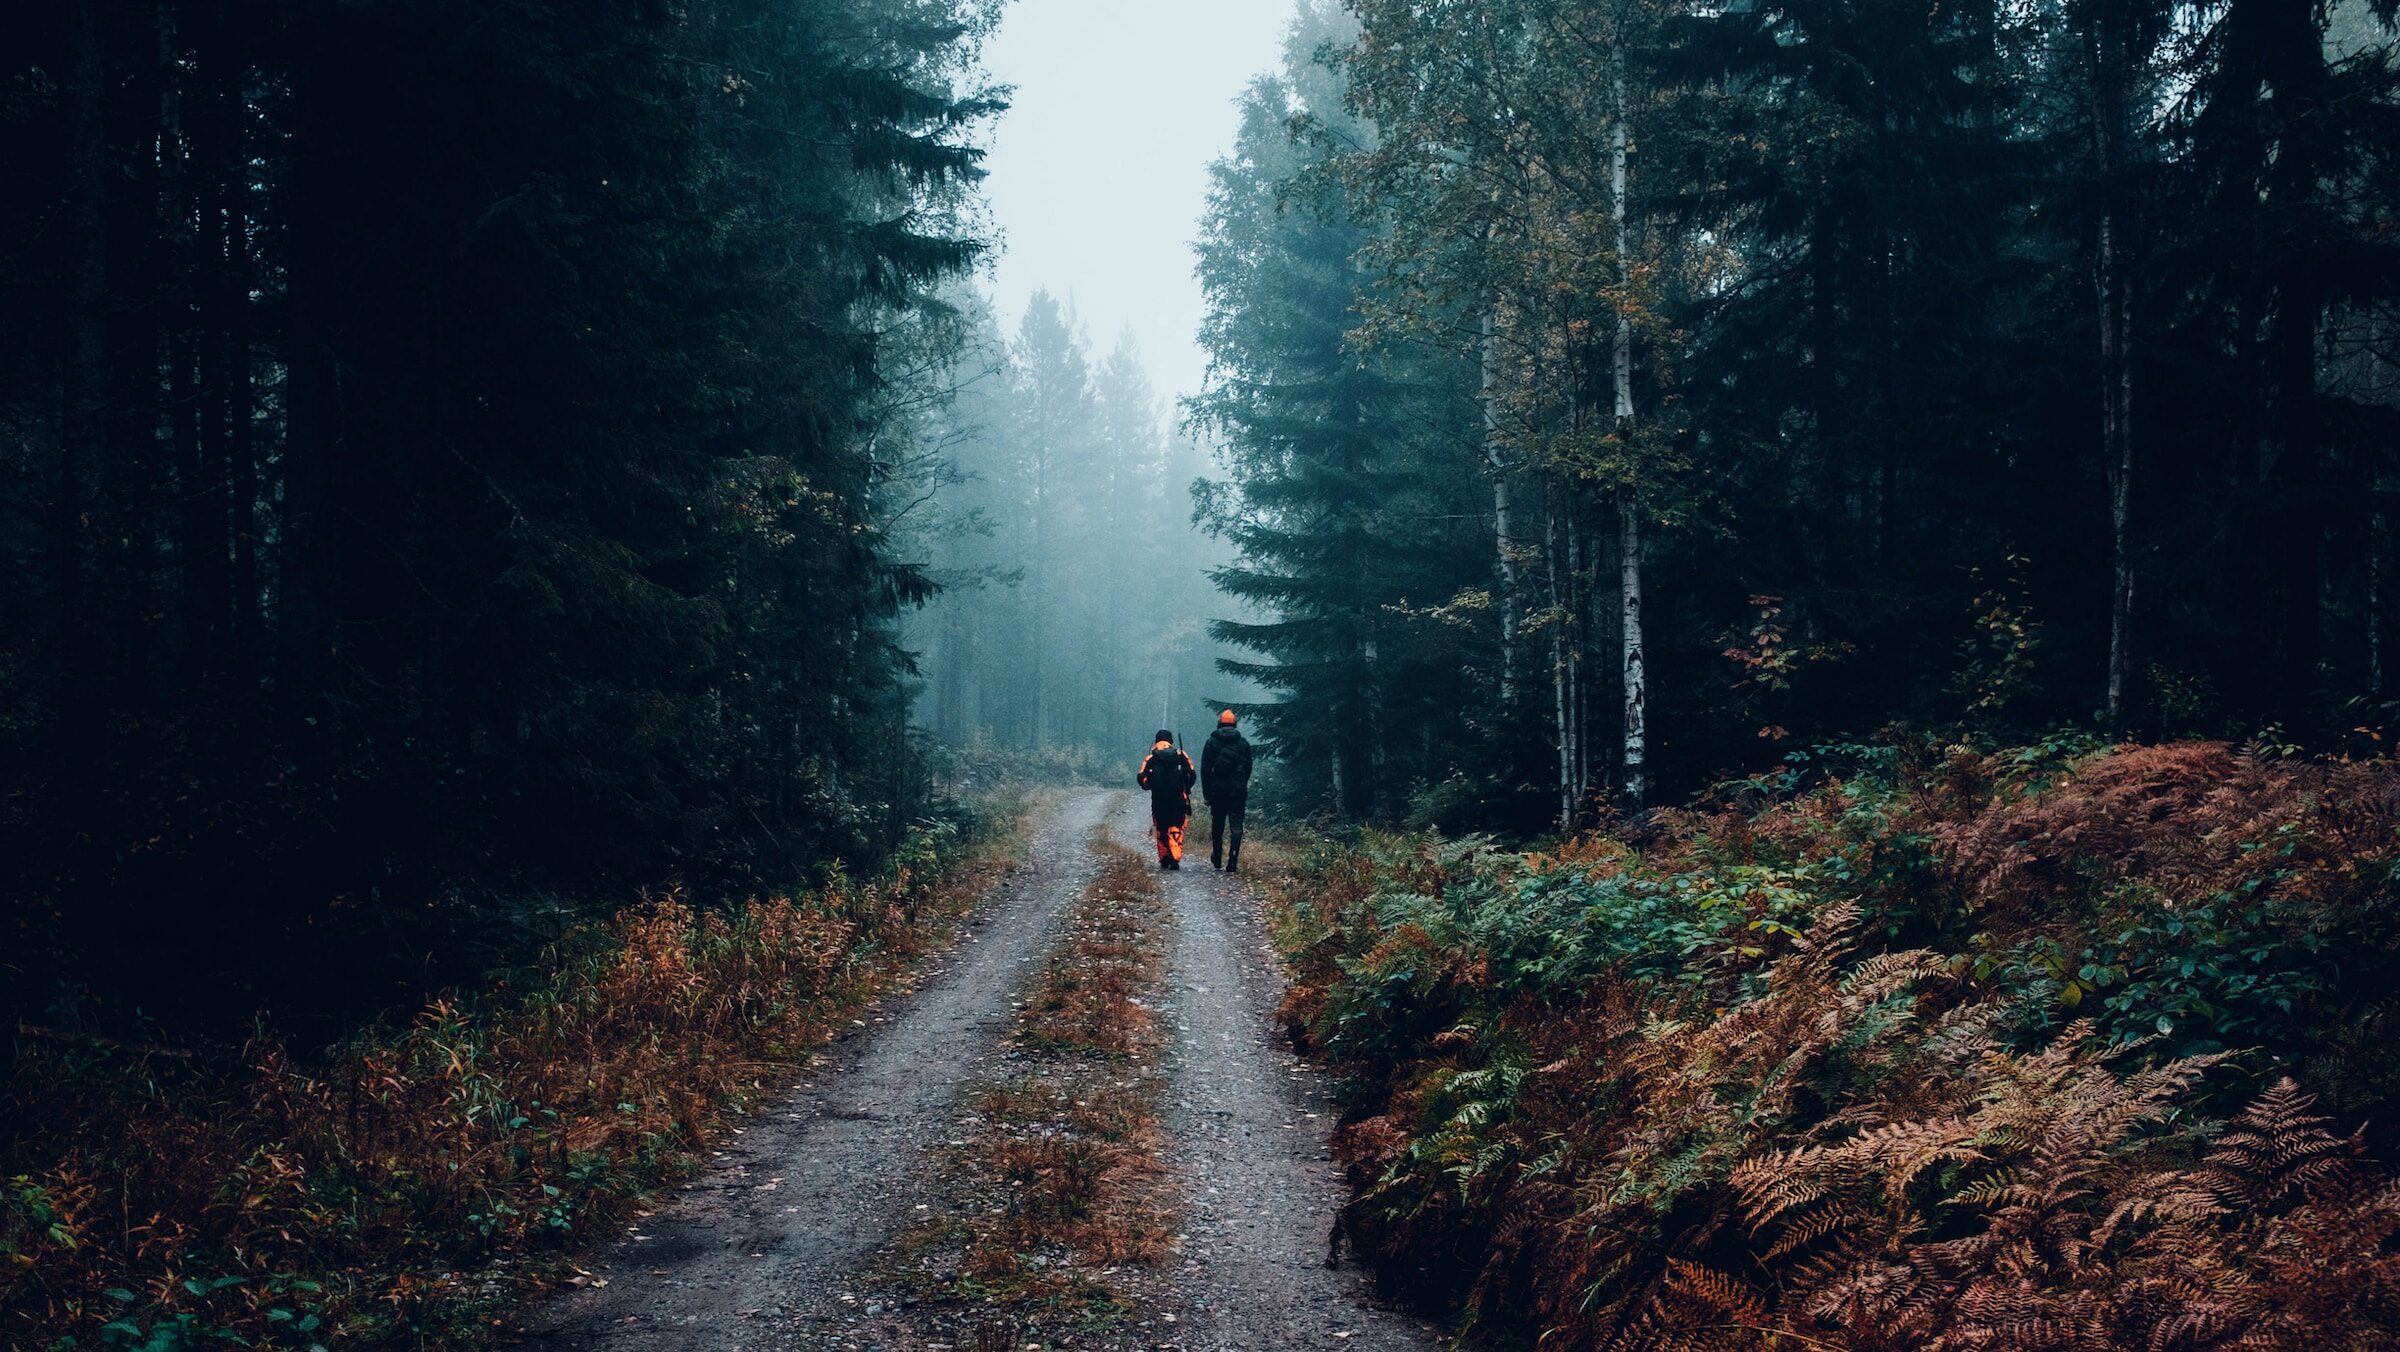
(1038, 713)
(82, 426)
(2298, 448)
(1504, 534)
(1378, 780)
(182, 221)
(241, 452)
(1823, 524)
(1629, 521)
(2111, 291)
(307, 584)
(130, 483)
(2383, 489)
(2276, 53)
(1636, 672)
(2383, 493)
(2296, 79)
(1578, 653)
(1557, 624)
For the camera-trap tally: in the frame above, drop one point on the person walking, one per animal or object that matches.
(1167, 773)
(1225, 784)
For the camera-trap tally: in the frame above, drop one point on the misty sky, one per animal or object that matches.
(1099, 172)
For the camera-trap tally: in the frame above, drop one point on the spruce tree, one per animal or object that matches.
(1328, 443)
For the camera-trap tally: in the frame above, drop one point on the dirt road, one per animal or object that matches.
(1250, 1123)
(773, 1248)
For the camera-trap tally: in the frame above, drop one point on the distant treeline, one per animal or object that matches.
(1074, 586)
(451, 452)
(1621, 389)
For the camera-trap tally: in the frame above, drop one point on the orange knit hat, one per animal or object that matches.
(1226, 718)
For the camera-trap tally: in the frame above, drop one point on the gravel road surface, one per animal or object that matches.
(1250, 1123)
(755, 1253)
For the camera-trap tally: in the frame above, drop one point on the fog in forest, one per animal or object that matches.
(1075, 604)
(1075, 596)
(1812, 586)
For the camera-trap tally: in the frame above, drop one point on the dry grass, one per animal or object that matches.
(389, 1192)
(1088, 997)
(1063, 1178)
(1081, 1143)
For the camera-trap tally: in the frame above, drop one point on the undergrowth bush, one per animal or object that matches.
(2034, 1049)
(162, 1199)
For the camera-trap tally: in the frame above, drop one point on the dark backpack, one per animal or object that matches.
(1225, 767)
(1169, 773)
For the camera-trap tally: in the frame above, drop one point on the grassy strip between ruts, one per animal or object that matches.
(1056, 1181)
(401, 1188)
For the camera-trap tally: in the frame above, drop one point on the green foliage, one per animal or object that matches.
(1562, 1069)
(2190, 978)
(1344, 500)
(1996, 673)
(1823, 342)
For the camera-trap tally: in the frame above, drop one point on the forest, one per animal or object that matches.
(419, 474)
(1071, 616)
(1618, 394)
(1813, 583)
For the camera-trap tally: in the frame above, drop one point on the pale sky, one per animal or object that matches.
(1099, 170)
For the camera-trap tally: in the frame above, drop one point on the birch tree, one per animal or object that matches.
(1527, 158)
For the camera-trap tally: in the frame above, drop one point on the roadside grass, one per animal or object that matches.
(413, 1181)
(1288, 865)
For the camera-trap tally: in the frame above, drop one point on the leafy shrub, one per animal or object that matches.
(1928, 1054)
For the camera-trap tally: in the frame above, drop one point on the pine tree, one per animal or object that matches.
(1329, 444)
(468, 466)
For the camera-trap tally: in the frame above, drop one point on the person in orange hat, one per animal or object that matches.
(1167, 773)
(1225, 783)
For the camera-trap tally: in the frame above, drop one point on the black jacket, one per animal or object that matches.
(1225, 767)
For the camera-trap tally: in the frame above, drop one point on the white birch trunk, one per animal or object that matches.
(1637, 682)
(1502, 526)
(1629, 520)
(1578, 697)
(2116, 362)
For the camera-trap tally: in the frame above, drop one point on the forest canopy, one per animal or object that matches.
(1813, 582)
(1617, 393)
(477, 460)
(457, 451)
